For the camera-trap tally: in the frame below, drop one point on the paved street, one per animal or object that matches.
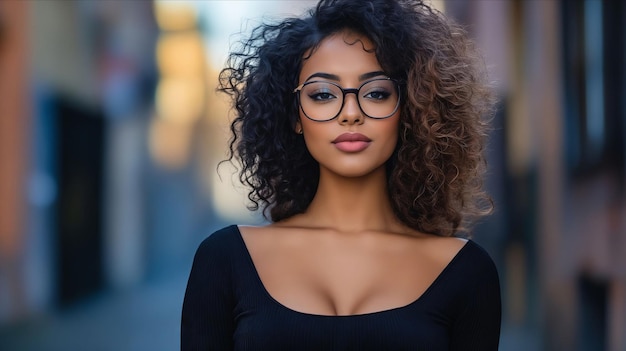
(146, 318)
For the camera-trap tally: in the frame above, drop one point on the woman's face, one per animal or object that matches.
(352, 144)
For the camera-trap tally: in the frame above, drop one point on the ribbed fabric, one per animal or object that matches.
(226, 307)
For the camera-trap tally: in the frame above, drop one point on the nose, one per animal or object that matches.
(351, 111)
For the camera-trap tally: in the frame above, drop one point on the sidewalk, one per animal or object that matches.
(147, 318)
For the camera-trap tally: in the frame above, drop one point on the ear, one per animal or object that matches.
(298, 127)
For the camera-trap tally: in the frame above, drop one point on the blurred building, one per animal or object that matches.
(110, 134)
(81, 75)
(557, 159)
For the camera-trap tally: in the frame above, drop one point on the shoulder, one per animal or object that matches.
(272, 237)
(220, 243)
(211, 277)
(475, 264)
(478, 256)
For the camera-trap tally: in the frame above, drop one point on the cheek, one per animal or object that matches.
(314, 134)
(391, 130)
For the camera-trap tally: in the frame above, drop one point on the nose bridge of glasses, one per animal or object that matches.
(346, 102)
(351, 91)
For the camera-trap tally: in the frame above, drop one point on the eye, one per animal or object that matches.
(321, 95)
(378, 90)
(321, 92)
(377, 95)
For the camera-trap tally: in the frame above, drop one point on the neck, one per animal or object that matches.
(353, 204)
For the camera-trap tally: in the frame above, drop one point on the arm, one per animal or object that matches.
(207, 322)
(478, 325)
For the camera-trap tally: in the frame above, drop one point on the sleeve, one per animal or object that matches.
(207, 321)
(478, 325)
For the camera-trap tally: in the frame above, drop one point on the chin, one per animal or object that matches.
(357, 172)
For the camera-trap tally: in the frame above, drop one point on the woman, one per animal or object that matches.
(359, 132)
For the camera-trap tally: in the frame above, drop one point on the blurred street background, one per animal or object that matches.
(111, 131)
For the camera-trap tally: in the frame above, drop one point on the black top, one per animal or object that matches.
(226, 307)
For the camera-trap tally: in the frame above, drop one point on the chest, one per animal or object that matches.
(263, 322)
(345, 281)
(422, 319)
(266, 325)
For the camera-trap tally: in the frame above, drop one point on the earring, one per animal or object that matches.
(300, 131)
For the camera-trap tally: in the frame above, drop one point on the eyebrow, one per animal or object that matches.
(335, 77)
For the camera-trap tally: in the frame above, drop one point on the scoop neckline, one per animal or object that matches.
(280, 305)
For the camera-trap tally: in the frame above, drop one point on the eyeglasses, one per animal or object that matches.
(323, 101)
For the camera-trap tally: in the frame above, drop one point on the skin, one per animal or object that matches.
(347, 254)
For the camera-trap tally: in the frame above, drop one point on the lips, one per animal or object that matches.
(351, 142)
(351, 137)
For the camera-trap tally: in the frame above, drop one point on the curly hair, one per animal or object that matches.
(435, 174)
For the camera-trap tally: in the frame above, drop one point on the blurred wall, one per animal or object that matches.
(557, 157)
(75, 95)
(15, 122)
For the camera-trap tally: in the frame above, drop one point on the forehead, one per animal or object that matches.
(345, 54)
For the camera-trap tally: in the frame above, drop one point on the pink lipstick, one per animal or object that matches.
(351, 142)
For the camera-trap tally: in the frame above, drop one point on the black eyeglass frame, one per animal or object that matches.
(354, 91)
